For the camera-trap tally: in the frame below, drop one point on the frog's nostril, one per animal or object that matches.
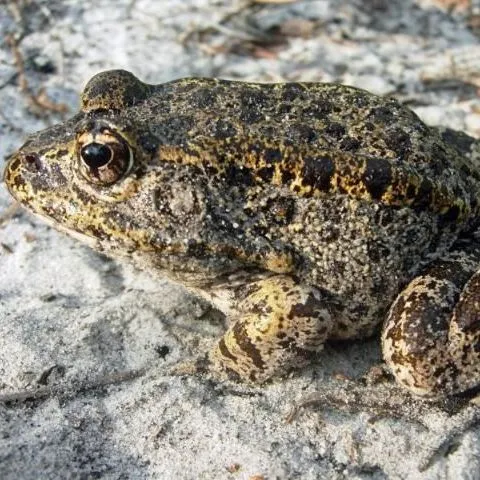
(32, 162)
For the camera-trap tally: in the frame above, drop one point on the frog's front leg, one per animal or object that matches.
(431, 338)
(280, 324)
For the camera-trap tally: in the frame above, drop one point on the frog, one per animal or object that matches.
(304, 212)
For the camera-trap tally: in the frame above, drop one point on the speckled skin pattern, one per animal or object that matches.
(304, 212)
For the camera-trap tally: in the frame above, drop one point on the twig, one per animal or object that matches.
(353, 397)
(39, 102)
(183, 38)
(72, 389)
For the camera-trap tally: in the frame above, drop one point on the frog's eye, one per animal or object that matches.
(104, 158)
(96, 155)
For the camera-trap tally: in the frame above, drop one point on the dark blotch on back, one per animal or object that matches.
(349, 144)
(250, 115)
(253, 98)
(272, 155)
(317, 172)
(424, 194)
(398, 141)
(253, 101)
(335, 130)
(360, 99)
(301, 132)
(377, 176)
(291, 91)
(223, 129)
(203, 98)
(239, 176)
(383, 115)
(287, 176)
(441, 156)
(266, 173)
(318, 110)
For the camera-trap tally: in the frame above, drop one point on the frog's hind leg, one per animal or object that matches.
(431, 337)
(280, 324)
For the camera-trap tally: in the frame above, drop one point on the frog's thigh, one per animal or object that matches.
(280, 324)
(431, 338)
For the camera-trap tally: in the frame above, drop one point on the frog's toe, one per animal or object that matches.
(431, 338)
(192, 366)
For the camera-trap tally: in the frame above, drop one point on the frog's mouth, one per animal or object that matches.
(88, 240)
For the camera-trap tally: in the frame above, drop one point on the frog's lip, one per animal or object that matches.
(88, 240)
(10, 171)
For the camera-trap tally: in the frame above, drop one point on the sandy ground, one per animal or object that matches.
(85, 342)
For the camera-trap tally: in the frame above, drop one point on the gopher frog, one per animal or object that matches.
(306, 212)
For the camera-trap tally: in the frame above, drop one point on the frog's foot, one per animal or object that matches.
(280, 324)
(431, 338)
(192, 366)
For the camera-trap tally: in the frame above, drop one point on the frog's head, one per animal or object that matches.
(98, 175)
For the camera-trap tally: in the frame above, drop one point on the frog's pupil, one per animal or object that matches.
(96, 155)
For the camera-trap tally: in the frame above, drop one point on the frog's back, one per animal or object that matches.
(321, 116)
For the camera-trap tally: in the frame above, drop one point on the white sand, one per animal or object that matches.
(93, 338)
